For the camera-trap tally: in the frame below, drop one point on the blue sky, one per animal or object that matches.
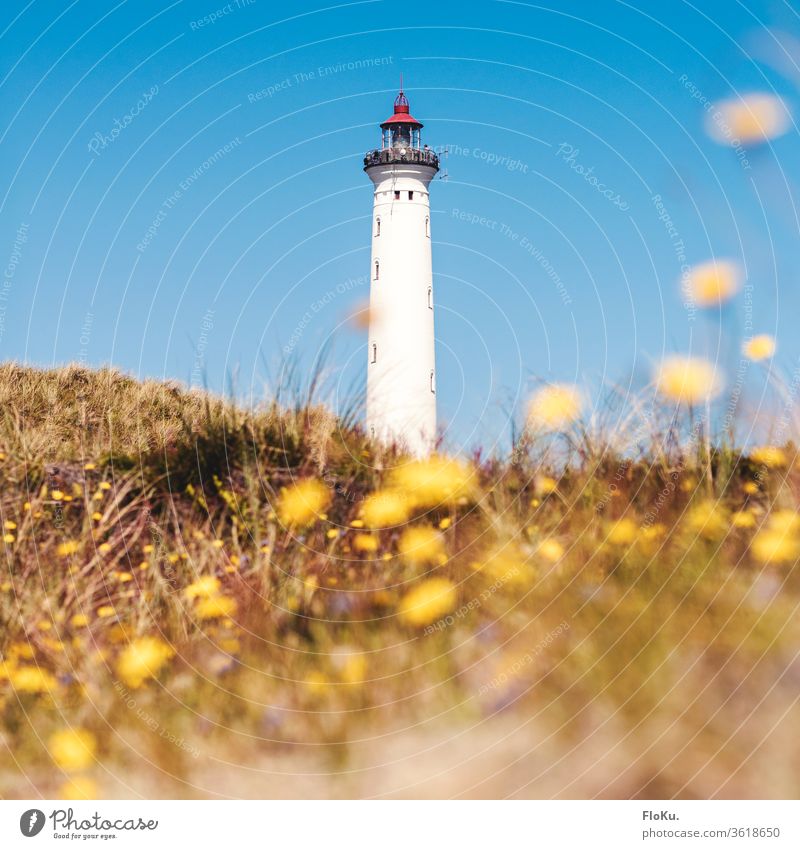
(182, 193)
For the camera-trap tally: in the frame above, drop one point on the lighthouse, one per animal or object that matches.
(401, 370)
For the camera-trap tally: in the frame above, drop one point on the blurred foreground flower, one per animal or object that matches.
(712, 283)
(760, 347)
(215, 607)
(204, 587)
(142, 659)
(427, 602)
(770, 456)
(554, 406)
(301, 503)
(422, 544)
(751, 119)
(434, 481)
(779, 541)
(81, 788)
(689, 380)
(72, 748)
(386, 508)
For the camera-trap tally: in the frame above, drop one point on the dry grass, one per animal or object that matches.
(655, 657)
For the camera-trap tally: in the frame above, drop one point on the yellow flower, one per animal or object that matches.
(204, 587)
(775, 546)
(89, 467)
(707, 519)
(78, 788)
(365, 543)
(421, 544)
(624, 532)
(427, 602)
(32, 679)
(11, 526)
(687, 379)
(72, 748)
(142, 659)
(79, 620)
(65, 549)
(554, 406)
(507, 566)
(105, 486)
(215, 607)
(105, 611)
(332, 533)
(749, 120)
(769, 456)
(750, 488)
(760, 347)
(551, 550)
(8, 538)
(712, 283)
(433, 481)
(352, 666)
(545, 485)
(56, 494)
(301, 503)
(386, 508)
(743, 519)
(104, 547)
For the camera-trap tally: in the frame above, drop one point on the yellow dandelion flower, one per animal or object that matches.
(97, 516)
(31, 679)
(89, 467)
(332, 533)
(545, 485)
(707, 519)
(204, 587)
(421, 544)
(750, 488)
(148, 549)
(386, 508)
(105, 486)
(623, 532)
(79, 620)
(104, 547)
(56, 494)
(8, 538)
(769, 456)
(105, 611)
(433, 481)
(65, 549)
(760, 347)
(141, 659)
(79, 788)
(750, 120)
(554, 406)
(775, 546)
(357, 523)
(72, 748)
(445, 523)
(365, 543)
(215, 607)
(427, 602)
(712, 283)
(9, 525)
(507, 566)
(550, 550)
(689, 380)
(301, 503)
(743, 519)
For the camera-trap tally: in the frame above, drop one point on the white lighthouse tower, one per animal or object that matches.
(401, 376)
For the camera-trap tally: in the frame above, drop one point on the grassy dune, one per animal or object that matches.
(198, 600)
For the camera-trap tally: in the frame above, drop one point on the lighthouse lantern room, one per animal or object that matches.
(401, 371)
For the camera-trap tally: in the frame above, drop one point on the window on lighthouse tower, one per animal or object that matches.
(377, 270)
(374, 353)
(377, 226)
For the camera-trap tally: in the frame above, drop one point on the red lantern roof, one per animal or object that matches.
(401, 113)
